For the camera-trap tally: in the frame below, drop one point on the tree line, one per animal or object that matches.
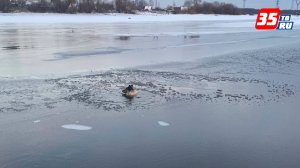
(121, 6)
(197, 6)
(72, 6)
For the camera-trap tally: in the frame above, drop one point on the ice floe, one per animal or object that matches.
(36, 121)
(76, 127)
(163, 124)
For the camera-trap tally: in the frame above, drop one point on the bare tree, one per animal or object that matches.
(244, 3)
(297, 3)
(87, 6)
(124, 6)
(102, 6)
(21, 3)
(141, 4)
(151, 3)
(188, 3)
(214, 8)
(197, 2)
(5, 5)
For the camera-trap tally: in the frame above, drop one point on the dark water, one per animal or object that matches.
(211, 135)
(243, 116)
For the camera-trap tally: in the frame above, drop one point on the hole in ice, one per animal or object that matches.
(124, 38)
(162, 123)
(77, 127)
(11, 47)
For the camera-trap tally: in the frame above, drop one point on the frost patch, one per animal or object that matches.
(77, 127)
(163, 124)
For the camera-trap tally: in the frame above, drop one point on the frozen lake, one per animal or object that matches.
(57, 48)
(213, 92)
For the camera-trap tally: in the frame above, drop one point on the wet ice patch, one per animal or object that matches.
(11, 48)
(77, 127)
(163, 124)
(86, 53)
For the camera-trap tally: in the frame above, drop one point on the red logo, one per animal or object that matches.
(267, 19)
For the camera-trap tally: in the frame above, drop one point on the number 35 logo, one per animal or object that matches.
(267, 18)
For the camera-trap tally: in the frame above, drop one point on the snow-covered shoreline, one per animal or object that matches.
(113, 18)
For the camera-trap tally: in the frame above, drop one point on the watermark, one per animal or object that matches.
(270, 19)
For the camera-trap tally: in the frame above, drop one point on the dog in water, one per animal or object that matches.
(130, 92)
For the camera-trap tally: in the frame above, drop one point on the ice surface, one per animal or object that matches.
(60, 45)
(76, 127)
(205, 58)
(231, 78)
